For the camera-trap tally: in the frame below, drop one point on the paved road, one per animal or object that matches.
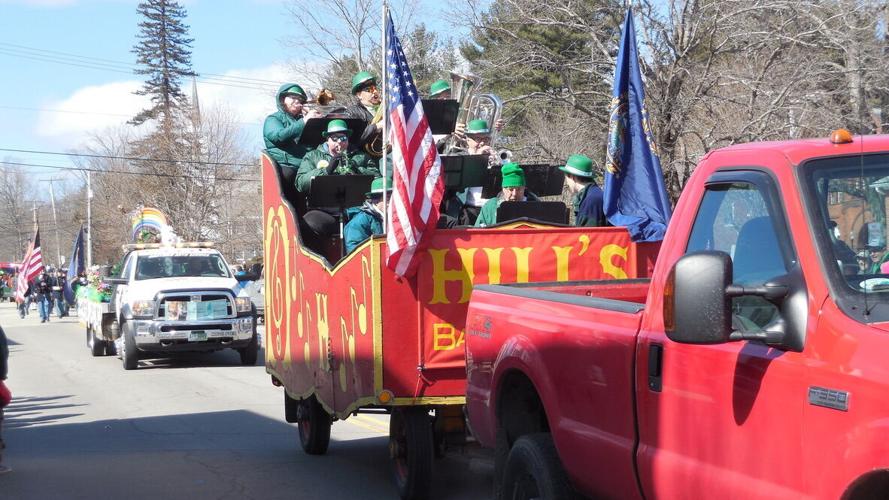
(192, 427)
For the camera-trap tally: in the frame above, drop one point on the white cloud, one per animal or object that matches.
(70, 120)
(88, 109)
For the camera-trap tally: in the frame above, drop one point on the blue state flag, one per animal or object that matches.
(634, 194)
(75, 267)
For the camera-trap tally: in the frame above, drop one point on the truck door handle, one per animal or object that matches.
(655, 366)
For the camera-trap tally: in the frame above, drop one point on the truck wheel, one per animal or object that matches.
(314, 426)
(533, 470)
(129, 353)
(250, 353)
(97, 347)
(411, 448)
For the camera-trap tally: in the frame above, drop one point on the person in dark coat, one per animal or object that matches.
(42, 286)
(283, 128)
(365, 90)
(4, 371)
(588, 197)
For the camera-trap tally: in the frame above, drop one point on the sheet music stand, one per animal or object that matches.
(540, 179)
(554, 212)
(336, 193)
(462, 171)
(312, 132)
(441, 114)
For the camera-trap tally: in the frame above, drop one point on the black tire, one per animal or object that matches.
(533, 470)
(250, 353)
(412, 449)
(314, 426)
(97, 347)
(129, 353)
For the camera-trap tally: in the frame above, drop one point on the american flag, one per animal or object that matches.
(31, 267)
(417, 184)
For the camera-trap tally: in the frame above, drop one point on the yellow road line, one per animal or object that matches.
(369, 424)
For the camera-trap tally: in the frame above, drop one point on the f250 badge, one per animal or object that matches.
(481, 327)
(829, 398)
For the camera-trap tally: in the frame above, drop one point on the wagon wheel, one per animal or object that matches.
(314, 426)
(412, 451)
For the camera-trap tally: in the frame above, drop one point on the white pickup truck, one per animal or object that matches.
(175, 299)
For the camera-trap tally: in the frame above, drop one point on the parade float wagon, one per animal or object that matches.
(173, 298)
(345, 336)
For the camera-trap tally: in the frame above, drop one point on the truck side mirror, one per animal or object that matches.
(697, 307)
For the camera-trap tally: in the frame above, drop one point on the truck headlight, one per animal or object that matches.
(244, 304)
(143, 308)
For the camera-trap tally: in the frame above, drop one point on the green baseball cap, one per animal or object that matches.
(376, 187)
(579, 165)
(513, 175)
(336, 126)
(360, 79)
(438, 87)
(477, 127)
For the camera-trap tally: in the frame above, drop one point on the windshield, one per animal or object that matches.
(850, 220)
(175, 266)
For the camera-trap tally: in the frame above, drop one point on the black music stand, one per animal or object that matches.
(554, 212)
(311, 134)
(336, 193)
(441, 114)
(540, 179)
(463, 171)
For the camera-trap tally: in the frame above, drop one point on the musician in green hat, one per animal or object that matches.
(513, 189)
(283, 128)
(366, 220)
(440, 89)
(333, 157)
(587, 201)
(367, 107)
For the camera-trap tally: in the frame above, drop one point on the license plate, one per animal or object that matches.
(197, 336)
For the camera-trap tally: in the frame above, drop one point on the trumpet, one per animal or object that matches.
(323, 102)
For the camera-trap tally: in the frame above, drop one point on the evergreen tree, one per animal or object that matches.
(164, 54)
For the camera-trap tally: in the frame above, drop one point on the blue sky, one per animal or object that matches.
(45, 105)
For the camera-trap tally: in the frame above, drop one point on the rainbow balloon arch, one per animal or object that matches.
(150, 225)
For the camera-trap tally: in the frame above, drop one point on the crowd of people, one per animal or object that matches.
(46, 291)
(343, 152)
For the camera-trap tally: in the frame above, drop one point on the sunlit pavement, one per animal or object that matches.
(192, 426)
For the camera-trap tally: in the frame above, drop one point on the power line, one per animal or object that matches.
(79, 112)
(57, 57)
(123, 172)
(129, 158)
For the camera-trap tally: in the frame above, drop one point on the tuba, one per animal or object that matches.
(488, 107)
(374, 146)
(461, 91)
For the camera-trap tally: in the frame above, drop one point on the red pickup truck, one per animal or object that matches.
(754, 363)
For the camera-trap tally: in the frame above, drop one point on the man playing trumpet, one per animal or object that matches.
(283, 128)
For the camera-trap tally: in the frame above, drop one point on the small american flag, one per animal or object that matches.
(31, 267)
(417, 183)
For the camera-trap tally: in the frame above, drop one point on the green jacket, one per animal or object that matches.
(487, 216)
(282, 132)
(316, 161)
(364, 222)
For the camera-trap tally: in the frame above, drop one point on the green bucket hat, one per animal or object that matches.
(438, 87)
(513, 175)
(360, 79)
(376, 187)
(295, 89)
(336, 126)
(477, 127)
(579, 165)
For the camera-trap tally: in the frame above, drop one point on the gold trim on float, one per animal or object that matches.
(430, 400)
(376, 252)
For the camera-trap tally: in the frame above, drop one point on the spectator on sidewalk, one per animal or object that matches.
(4, 359)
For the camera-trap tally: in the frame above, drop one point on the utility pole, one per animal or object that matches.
(89, 220)
(55, 220)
